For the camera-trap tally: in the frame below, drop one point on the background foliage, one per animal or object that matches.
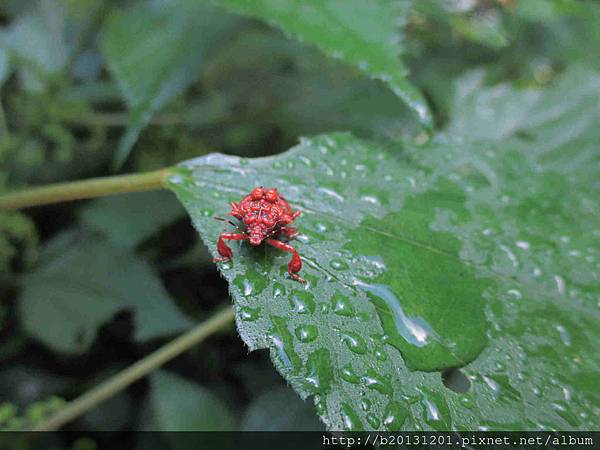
(487, 111)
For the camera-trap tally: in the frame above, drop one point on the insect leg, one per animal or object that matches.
(223, 248)
(235, 210)
(290, 232)
(295, 263)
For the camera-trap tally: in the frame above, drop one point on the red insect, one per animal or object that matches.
(266, 216)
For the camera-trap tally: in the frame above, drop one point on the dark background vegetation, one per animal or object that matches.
(255, 94)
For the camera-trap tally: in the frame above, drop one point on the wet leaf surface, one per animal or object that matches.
(364, 34)
(462, 252)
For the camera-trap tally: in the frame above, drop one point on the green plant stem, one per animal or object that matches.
(136, 371)
(77, 190)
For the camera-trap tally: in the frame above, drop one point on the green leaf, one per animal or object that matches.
(327, 338)
(501, 111)
(458, 253)
(343, 102)
(43, 39)
(319, 95)
(477, 23)
(5, 66)
(570, 30)
(39, 38)
(129, 219)
(154, 51)
(18, 239)
(81, 282)
(177, 404)
(486, 30)
(364, 34)
(546, 10)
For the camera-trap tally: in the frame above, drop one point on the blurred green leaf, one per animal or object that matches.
(316, 104)
(572, 31)
(177, 404)
(279, 409)
(18, 241)
(364, 34)
(5, 66)
(155, 50)
(485, 29)
(129, 219)
(478, 22)
(318, 95)
(39, 40)
(43, 39)
(81, 282)
(501, 111)
(461, 252)
(545, 10)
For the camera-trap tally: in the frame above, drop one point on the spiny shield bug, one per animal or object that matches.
(265, 215)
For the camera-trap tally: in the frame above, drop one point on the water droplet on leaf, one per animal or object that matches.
(248, 314)
(338, 264)
(342, 305)
(306, 333)
(377, 382)
(394, 415)
(348, 374)
(354, 341)
(303, 303)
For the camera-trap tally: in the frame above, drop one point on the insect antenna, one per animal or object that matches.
(230, 222)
